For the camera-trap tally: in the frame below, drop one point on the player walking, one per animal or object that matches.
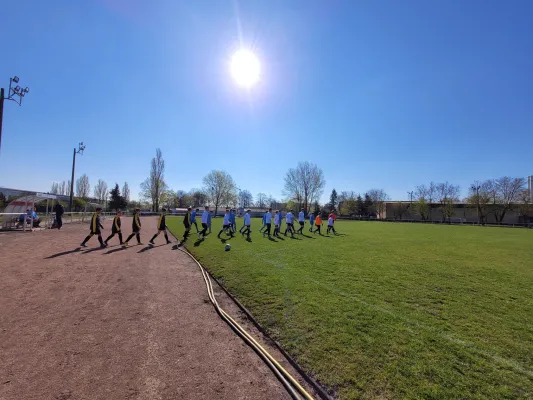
(264, 223)
(289, 218)
(161, 227)
(59, 210)
(277, 219)
(205, 221)
(136, 227)
(193, 218)
(311, 221)
(301, 220)
(268, 222)
(330, 225)
(187, 223)
(318, 224)
(226, 225)
(247, 224)
(95, 229)
(115, 229)
(232, 221)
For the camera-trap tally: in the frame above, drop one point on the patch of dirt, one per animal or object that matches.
(133, 323)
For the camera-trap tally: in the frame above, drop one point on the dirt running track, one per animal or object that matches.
(116, 324)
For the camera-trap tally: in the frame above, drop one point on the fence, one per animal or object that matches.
(453, 221)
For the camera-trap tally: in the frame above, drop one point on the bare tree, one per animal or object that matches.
(83, 187)
(400, 209)
(245, 198)
(100, 191)
(63, 188)
(260, 200)
(507, 193)
(199, 197)
(379, 198)
(525, 206)
(348, 203)
(126, 192)
(55, 188)
(67, 191)
(447, 194)
(480, 196)
(219, 188)
(426, 196)
(272, 202)
(304, 184)
(154, 187)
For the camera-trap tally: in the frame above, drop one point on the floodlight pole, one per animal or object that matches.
(1, 113)
(80, 149)
(12, 94)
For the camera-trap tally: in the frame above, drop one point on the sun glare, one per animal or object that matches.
(245, 68)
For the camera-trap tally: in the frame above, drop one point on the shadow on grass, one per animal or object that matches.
(295, 238)
(226, 239)
(64, 253)
(307, 236)
(178, 245)
(198, 242)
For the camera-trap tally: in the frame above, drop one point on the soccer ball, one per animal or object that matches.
(227, 247)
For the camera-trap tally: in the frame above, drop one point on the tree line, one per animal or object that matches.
(494, 197)
(303, 188)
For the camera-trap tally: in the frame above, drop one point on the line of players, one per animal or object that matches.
(116, 229)
(228, 225)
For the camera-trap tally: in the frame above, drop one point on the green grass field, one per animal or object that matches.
(391, 310)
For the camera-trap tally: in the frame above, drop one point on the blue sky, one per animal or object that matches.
(383, 94)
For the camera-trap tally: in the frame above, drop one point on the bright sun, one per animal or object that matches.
(245, 68)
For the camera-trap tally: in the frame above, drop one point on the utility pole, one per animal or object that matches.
(411, 196)
(81, 147)
(475, 189)
(12, 94)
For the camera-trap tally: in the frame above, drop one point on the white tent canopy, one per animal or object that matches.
(20, 205)
(28, 201)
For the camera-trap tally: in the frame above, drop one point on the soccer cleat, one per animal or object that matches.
(150, 242)
(168, 242)
(83, 245)
(125, 244)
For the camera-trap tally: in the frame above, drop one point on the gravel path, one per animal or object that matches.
(132, 323)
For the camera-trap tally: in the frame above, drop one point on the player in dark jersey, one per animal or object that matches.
(115, 229)
(187, 223)
(95, 229)
(161, 227)
(136, 227)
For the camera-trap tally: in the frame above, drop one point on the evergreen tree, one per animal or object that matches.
(359, 205)
(2, 201)
(367, 205)
(316, 208)
(333, 200)
(117, 202)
